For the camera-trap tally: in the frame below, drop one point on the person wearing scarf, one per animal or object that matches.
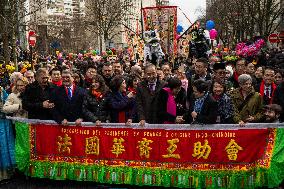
(167, 103)
(267, 87)
(94, 106)
(203, 107)
(120, 104)
(56, 78)
(240, 69)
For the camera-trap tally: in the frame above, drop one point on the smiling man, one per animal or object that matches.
(68, 100)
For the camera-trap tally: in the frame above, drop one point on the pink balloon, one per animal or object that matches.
(213, 34)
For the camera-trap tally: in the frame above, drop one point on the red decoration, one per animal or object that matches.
(181, 143)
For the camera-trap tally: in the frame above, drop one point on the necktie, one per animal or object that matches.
(69, 93)
(267, 93)
(152, 87)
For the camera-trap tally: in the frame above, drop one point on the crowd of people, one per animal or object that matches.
(211, 90)
(193, 91)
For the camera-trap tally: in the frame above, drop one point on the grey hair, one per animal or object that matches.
(28, 72)
(244, 78)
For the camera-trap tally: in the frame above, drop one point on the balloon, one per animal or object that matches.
(210, 24)
(80, 55)
(97, 52)
(57, 52)
(179, 28)
(94, 52)
(177, 37)
(59, 55)
(213, 34)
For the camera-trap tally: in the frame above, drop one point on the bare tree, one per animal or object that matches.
(13, 14)
(105, 17)
(237, 20)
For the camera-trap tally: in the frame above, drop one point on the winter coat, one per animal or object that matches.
(120, 106)
(145, 100)
(243, 108)
(225, 109)
(65, 108)
(33, 98)
(278, 98)
(208, 113)
(13, 105)
(94, 109)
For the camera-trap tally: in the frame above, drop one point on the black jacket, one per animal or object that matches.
(278, 98)
(94, 109)
(145, 100)
(33, 98)
(65, 108)
(208, 114)
(161, 113)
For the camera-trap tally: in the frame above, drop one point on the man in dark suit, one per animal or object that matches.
(36, 97)
(68, 100)
(267, 87)
(147, 90)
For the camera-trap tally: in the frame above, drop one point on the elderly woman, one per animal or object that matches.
(13, 104)
(14, 76)
(247, 103)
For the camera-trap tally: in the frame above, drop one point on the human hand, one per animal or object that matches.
(179, 120)
(98, 123)
(193, 115)
(142, 122)
(78, 122)
(242, 124)
(250, 119)
(129, 122)
(47, 104)
(130, 95)
(64, 122)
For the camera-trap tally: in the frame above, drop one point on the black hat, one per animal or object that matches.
(219, 66)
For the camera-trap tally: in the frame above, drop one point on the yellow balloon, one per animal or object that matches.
(57, 52)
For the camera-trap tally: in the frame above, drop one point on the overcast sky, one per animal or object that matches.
(189, 8)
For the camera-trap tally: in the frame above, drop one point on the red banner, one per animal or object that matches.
(164, 19)
(192, 149)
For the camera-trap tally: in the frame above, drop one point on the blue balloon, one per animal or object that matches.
(210, 25)
(179, 28)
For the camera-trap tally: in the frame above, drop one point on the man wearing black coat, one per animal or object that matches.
(68, 100)
(279, 99)
(36, 97)
(147, 91)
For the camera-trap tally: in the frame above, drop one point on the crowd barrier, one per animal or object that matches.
(185, 156)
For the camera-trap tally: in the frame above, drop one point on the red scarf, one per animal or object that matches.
(131, 89)
(217, 97)
(262, 87)
(236, 76)
(57, 83)
(97, 94)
